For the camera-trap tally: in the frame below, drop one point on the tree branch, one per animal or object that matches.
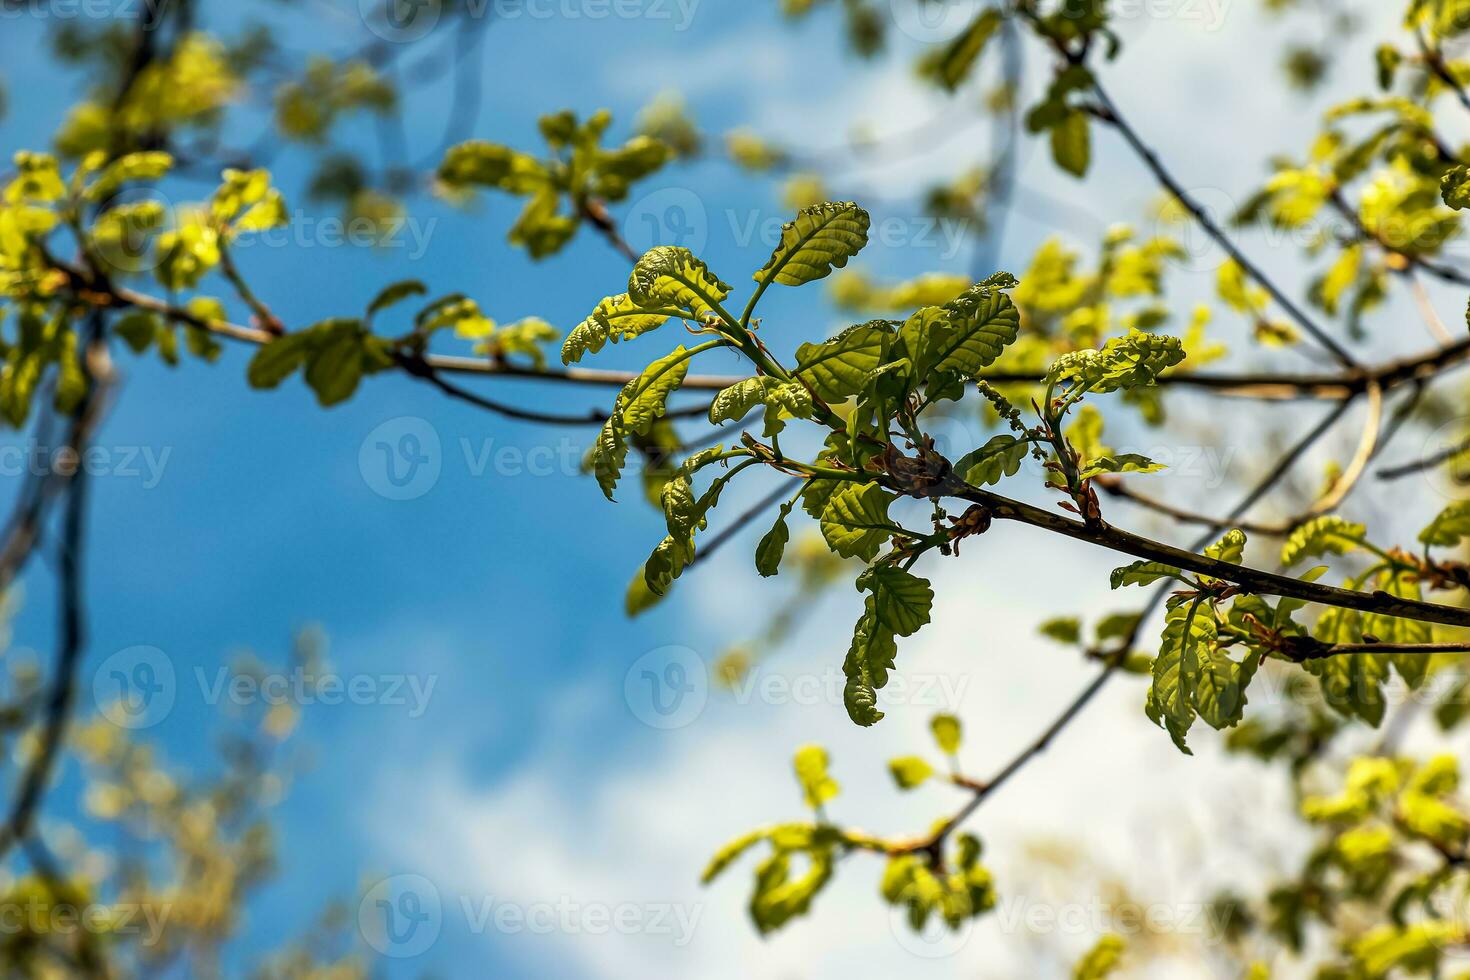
(1115, 660)
(59, 702)
(1255, 385)
(1251, 580)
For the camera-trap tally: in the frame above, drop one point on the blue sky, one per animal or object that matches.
(528, 780)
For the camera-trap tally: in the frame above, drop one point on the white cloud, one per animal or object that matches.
(632, 825)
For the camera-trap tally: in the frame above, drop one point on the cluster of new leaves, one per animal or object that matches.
(186, 91)
(562, 190)
(1385, 878)
(1379, 188)
(1196, 675)
(866, 390)
(927, 878)
(118, 237)
(121, 237)
(307, 107)
(1396, 183)
(1065, 306)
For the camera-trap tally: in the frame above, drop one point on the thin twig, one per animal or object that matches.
(419, 368)
(1428, 312)
(1116, 487)
(266, 319)
(1111, 115)
(1435, 60)
(1338, 649)
(1257, 385)
(1427, 463)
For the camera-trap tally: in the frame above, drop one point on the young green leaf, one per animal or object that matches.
(638, 598)
(869, 659)
(778, 897)
(478, 163)
(817, 493)
(396, 293)
(959, 57)
(1219, 691)
(978, 325)
(1002, 456)
(615, 318)
(838, 369)
(730, 853)
(644, 400)
(672, 277)
(1066, 630)
(668, 561)
(1189, 633)
(855, 521)
(737, 401)
(817, 787)
(1121, 463)
(144, 166)
(1352, 684)
(682, 511)
(1231, 547)
(947, 731)
(1450, 527)
(1143, 572)
(790, 399)
(771, 547)
(609, 452)
(1414, 668)
(334, 368)
(1071, 143)
(277, 360)
(909, 771)
(1327, 535)
(821, 238)
(1454, 187)
(901, 600)
(1124, 362)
